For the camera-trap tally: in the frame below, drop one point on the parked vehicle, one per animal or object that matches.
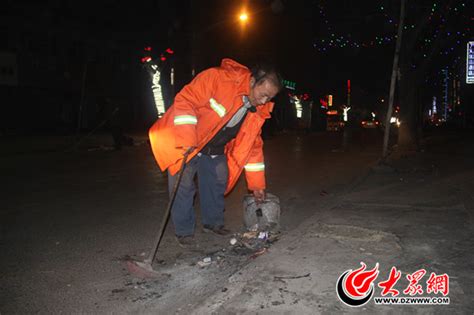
(370, 123)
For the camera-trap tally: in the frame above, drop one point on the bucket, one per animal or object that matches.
(264, 216)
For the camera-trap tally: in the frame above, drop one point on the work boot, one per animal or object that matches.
(186, 241)
(217, 230)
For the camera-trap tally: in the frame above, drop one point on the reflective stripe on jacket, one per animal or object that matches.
(200, 110)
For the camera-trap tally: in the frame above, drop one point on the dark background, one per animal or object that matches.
(84, 57)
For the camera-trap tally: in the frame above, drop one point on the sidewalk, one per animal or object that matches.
(415, 214)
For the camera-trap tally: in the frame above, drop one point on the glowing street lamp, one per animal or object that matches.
(243, 22)
(243, 17)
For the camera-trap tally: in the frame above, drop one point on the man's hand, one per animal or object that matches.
(259, 195)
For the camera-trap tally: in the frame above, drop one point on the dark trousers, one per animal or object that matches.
(212, 174)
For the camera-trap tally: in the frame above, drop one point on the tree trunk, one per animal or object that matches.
(395, 69)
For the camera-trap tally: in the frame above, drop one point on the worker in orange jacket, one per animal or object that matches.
(220, 115)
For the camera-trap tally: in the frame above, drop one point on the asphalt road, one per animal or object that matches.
(69, 219)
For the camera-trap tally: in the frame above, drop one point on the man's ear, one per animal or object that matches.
(252, 82)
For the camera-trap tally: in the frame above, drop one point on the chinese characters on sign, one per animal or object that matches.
(470, 63)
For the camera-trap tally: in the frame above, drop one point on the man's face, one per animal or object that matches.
(262, 92)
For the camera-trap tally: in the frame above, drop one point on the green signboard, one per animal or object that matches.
(289, 84)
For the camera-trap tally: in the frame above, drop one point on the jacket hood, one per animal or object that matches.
(242, 75)
(233, 65)
(237, 73)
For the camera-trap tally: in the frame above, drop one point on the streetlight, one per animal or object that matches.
(243, 17)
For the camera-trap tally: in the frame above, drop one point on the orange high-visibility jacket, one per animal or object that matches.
(200, 110)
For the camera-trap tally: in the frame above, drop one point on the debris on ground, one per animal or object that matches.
(263, 235)
(276, 278)
(205, 262)
(243, 246)
(251, 234)
(252, 242)
(258, 253)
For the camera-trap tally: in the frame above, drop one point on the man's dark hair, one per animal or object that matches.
(266, 71)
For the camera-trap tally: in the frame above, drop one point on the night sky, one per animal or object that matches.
(317, 44)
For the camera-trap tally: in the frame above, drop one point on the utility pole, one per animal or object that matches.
(393, 80)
